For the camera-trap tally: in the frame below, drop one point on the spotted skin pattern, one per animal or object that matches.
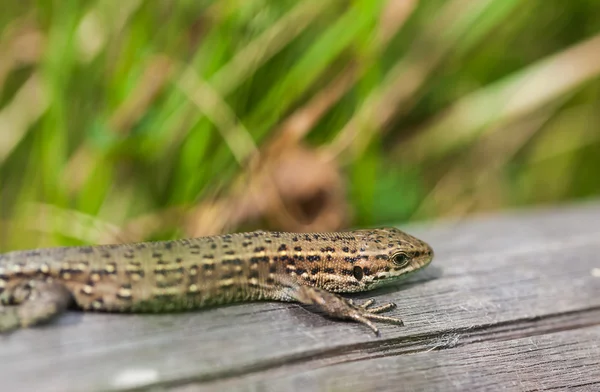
(186, 274)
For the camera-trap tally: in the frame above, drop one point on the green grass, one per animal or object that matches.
(455, 112)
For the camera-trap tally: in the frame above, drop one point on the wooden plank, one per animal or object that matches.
(509, 275)
(567, 360)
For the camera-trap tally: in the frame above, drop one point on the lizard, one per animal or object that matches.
(178, 275)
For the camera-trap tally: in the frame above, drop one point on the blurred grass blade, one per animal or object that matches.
(214, 107)
(409, 74)
(504, 100)
(16, 118)
(263, 47)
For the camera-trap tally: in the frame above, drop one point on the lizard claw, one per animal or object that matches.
(378, 309)
(363, 313)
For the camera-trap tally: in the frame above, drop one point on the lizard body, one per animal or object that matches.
(185, 274)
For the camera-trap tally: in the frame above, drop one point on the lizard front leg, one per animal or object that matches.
(339, 307)
(35, 302)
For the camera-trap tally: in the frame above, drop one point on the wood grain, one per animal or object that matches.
(510, 301)
(563, 360)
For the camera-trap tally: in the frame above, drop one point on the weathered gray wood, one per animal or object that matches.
(498, 286)
(563, 360)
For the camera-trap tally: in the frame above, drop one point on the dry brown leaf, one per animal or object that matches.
(292, 189)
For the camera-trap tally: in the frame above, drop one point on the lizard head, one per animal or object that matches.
(396, 254)
(385, 255)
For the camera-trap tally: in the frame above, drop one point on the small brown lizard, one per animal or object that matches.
(37, 285)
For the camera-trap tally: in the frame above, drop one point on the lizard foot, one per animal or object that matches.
(339, 307)
(36, 303)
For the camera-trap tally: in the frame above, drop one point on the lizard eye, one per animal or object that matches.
(400, 259)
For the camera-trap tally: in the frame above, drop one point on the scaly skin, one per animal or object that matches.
(194, 273)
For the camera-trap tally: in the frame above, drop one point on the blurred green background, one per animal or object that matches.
(137, 120)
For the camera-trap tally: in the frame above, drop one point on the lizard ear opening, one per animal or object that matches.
(357, 272)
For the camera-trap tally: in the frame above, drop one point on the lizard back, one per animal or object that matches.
(193, 273)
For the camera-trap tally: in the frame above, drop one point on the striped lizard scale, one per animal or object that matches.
(185, 274)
